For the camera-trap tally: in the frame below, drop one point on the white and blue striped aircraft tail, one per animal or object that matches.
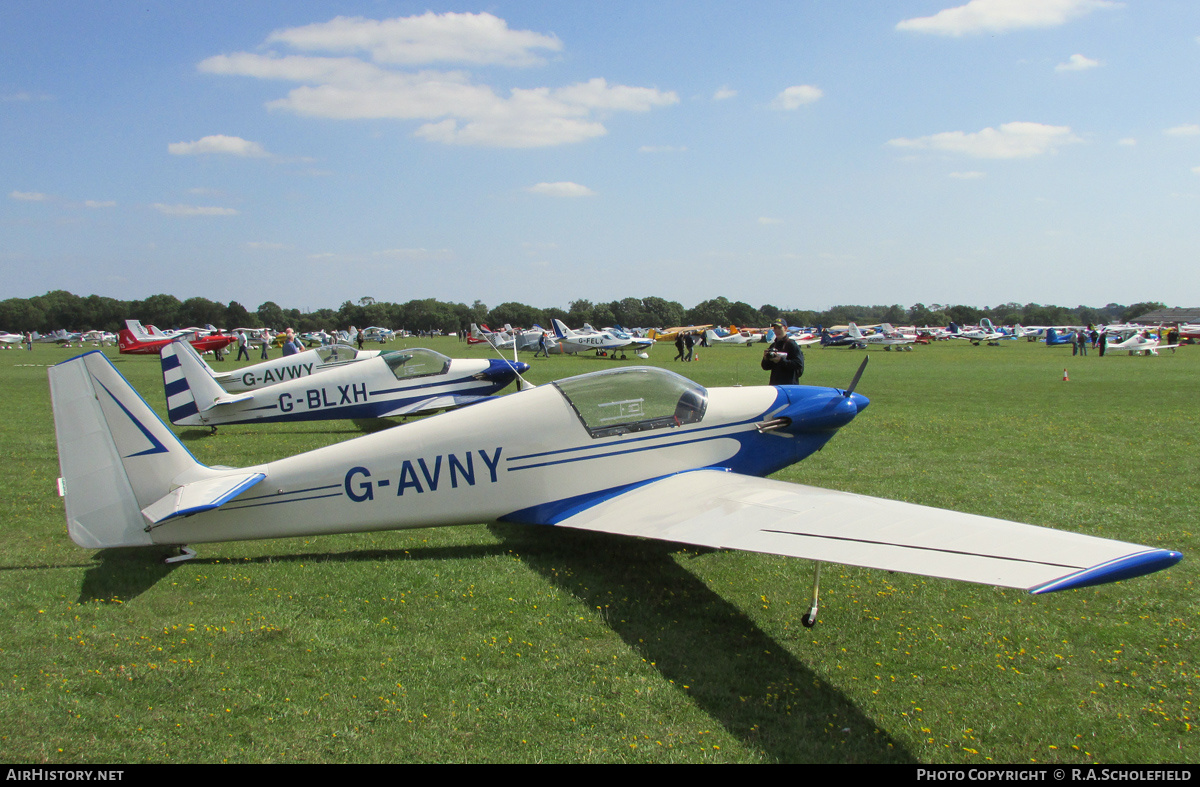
(190, 386)
(123, 470)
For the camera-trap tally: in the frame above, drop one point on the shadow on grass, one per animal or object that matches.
(124, 573)
(745, 680)
(127, 573)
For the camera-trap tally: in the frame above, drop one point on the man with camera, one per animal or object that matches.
(783, 358)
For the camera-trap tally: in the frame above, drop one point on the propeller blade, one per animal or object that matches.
(857, 377)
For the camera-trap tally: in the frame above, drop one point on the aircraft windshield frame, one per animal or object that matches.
(416, 362)
(634, 399)
(331, 353)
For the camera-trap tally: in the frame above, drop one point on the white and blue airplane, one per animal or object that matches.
(601, 341)
(288, 367)
(986, 332)
(887, 338)
(392, 384)
(634, 451)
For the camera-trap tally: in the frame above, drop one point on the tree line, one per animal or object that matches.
(61, 309)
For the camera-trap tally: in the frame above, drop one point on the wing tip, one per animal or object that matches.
(1115, 570)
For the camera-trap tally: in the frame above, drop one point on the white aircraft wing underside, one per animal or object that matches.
(433, 404)
(714, 508)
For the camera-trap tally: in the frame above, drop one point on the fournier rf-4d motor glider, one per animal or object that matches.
(394, 383)
(637, 451)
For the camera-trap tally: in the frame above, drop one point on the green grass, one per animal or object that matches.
(512, 644)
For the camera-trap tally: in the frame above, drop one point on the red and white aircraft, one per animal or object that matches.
(136, 339)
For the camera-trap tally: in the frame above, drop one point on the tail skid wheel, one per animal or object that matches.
(185, 553)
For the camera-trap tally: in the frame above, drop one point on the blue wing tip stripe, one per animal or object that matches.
(1113, 571)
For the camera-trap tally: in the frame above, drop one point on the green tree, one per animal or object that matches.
(270, 315)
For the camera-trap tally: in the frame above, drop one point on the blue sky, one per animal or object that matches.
(802, 154)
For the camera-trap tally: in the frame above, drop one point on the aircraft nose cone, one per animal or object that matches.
(505, 370)
(820, 410)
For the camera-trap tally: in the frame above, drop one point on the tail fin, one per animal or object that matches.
(190, 387)
(561, 331)
(855, 333)
(125, 340)
(116, 456)
(123, 470)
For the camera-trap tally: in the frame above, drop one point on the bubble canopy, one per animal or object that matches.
(336, 352)
(416, 362)
(636, 399)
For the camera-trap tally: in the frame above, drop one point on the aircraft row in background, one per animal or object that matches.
(636, 451)
(61, 337)
(562, 340)
(137, 338)
(617, 339)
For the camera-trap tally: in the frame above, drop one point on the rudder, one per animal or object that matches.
(115, 455)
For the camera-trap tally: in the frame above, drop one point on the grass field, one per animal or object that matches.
(511, 644)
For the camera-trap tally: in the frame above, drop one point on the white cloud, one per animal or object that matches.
(1190, 130)
(259, 245)
(797, 96)
(457, 109)
(22, 96)
(28, 196)
(1196, 170)
(1001, 16)
(415, 255)
(969, 175)
(1127, 141)
(1077, 63)
(192, 210)
(91, 203)
(478, 39)
(1011, 140)
(767, 221)
(218, 143)
(724, 93)
(561, 189)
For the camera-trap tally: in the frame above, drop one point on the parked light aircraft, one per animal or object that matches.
(134, 339)
(288, 367)
(600, 341)
(669, 334)
(738, 338)
(986, 332)
(633, 451)
(887, 338)
(1138, 343)
(1056, 339)
(392, 384)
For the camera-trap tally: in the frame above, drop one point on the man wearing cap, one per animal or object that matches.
(783, 358)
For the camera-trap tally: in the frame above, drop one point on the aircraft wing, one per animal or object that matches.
(433, 404)
(714, 508)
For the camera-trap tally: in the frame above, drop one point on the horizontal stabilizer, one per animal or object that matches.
(199, 496)
(229, 399)
(718, 509)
